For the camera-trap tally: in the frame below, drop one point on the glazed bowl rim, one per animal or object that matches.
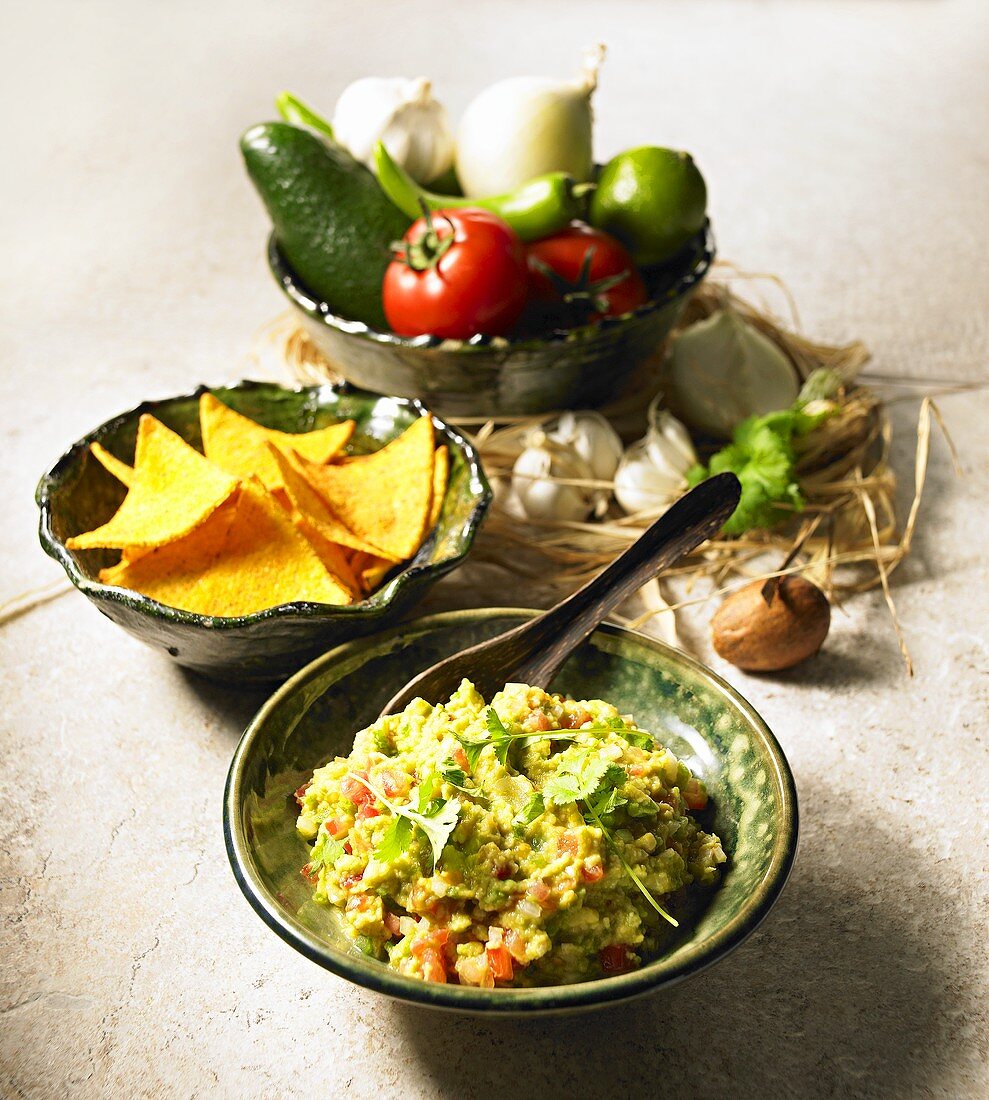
(375, 976)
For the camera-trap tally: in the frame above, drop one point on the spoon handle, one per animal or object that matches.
(697, 516)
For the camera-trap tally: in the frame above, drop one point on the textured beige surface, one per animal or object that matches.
(847, 145)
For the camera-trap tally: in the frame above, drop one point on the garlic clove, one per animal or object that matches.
(404, 115)
(591, 436)
(641, 486)
(536, 486)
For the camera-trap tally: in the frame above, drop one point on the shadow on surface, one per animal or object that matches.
(232, 705)
(840, 992)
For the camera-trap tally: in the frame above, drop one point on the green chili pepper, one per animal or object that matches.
(293, 110)
(538, 208)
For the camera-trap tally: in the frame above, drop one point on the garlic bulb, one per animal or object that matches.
(653, 472)
(526, 126)
(534, 487)
(593, 439)
(404, 116)
(723, 370)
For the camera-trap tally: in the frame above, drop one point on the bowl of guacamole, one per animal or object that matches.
(536, 851)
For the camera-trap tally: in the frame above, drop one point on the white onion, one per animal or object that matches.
(524, 127)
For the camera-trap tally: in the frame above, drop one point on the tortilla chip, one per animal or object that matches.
(311, 506)
(331, 555)
(384, 497)
(374, 572)
(234, 564)
(441, 474)
(174, 489)
(240, 446)
(113, 465)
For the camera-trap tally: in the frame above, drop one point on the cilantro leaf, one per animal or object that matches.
(473, 750)
(581, 776)
(639, 738)
(590, 778)
(762, 456)
(436, 819)
(502, 739)
(395, 840)
(326, 851)
(534, 808)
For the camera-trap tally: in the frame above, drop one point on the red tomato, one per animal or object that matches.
(694, 795)
(577, 273)
(355, 790)
(500, 962)
(593, 874)
(614, 959)
(568, 842)
(433, 966)
(461, 272)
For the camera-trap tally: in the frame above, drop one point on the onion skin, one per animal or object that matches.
(757, 636)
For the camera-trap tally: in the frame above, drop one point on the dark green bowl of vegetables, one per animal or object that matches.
(498, 376)
(78, 494)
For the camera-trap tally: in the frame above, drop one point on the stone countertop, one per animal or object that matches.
(847, 146)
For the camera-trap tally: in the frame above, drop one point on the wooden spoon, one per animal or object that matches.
(534, 652)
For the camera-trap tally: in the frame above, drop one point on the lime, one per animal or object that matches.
(652, 199)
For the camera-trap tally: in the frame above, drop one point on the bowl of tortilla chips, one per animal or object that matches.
(244, 530)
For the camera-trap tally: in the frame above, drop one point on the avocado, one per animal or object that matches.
(332, 221)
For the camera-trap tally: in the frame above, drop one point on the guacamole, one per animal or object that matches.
(536, 841)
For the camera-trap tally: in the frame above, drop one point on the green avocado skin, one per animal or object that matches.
(332, 221)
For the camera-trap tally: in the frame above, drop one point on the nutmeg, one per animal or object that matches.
(767, 633)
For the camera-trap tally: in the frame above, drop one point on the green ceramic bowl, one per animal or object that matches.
(494, 376)
(77, 494)
(314, 716)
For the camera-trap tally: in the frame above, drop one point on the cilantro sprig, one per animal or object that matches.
(502, 739)
(326, 851)
(436, 818)
(589, 778)
(763, 456)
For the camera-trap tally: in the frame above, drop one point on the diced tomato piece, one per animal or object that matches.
(576, 719)
(515, 942)
(335, 826)
(394, 783)
(368, 810)
(568, 842)
(637, 769)
(433, 965)
(615, 959)
(351, 880)
(539, 722)
(694, 795)
(393, 923)
(593, 874)
(500, 962)
(461, 758)
(504, 871)
(538, 891)
(356, 791)
(300, 794)
(310, 873)
(433, 939)
(359, 903)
